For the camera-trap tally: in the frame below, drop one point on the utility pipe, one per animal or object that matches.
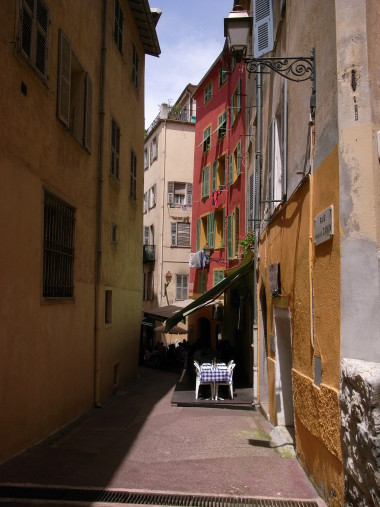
(99, 209)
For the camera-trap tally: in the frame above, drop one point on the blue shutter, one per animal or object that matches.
(262, 27)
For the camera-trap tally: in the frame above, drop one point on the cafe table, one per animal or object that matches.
(215, 373)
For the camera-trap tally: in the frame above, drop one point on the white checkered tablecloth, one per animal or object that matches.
(218, 373)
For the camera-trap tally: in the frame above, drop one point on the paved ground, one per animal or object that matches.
(139, 441)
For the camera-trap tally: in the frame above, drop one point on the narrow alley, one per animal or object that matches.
(139, 442)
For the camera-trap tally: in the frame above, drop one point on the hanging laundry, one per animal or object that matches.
(195, 260)
(215, 196)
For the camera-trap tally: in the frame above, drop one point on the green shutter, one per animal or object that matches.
(218, 276)
(211, 229)
(238, 157)
(198, 235)
(214, 175)
(230, 237)
(230, 169)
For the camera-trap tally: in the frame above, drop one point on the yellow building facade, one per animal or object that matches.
(71, 179)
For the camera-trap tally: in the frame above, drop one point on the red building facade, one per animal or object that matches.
(218, 213)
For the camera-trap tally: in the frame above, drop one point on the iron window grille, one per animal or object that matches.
(58, 248)
(135, 66)
(118, 26)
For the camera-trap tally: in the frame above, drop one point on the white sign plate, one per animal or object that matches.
(324, 226)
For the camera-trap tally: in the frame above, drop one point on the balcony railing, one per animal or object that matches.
(149, 253)
(171, 113)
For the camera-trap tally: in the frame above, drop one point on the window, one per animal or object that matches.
(198, 235)
(108, 307)
(118, 26)
(74, 95)
(218, 173)
(133, 177)
(206, 182)
(146, 235)
(34, 34)
(153, 150)
(219, 228)
(114, 233)
(180, 234)
(251, 202)
(135, 66)
(145, 204)
(222, 126)
(115, 150)
(208, 92)
(206, 139)
(230, 238)
(236, 102)
(263, 27)
(182, 287)
(152, 196)
(58, 255)
(146, 159)
(223, 75)
(234, 164)
(180, 193)
(202, 280)
(218, 276)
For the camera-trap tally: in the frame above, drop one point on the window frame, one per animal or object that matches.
(182, 288)
(133, 177)
(115, 150)
(205, 182)
(118, 26)
(207, 95)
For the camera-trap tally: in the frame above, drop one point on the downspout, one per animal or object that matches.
(99, 209)
(163, 221)
(258, 159)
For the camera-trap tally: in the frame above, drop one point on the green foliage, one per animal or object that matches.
(247, 241)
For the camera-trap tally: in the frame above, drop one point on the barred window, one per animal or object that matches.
(118, 26)
(34, 34)
(133, 177)
(58, 261)
(135, 66)
(115, 150)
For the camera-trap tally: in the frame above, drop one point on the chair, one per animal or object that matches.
(231, 365)
(198, 381)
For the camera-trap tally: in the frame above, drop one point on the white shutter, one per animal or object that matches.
(146, 235)
(64, 79)
(270, 166)
(170, 192)
(189, 194)
(154, 194)
(262, 27)
(145, 202)
(173, 234)
(183, 234)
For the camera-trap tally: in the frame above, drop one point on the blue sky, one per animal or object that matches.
(191, 36)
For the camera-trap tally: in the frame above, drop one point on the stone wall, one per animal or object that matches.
(360, 419)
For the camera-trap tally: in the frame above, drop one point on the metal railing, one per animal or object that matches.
(149, 253)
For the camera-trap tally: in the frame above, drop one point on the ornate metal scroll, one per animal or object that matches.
(294, 68)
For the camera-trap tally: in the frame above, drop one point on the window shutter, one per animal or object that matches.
(87, 113)
(146, 235)
(218, 276)
(189, 194)
(262, 27)
(64, 79)
(270, 165)
(214, 175)
(198, 235)
(170, 192)
(237, 229)
(232, 111)
(229, 237)
(225, 169)
(238, 157)
(211, 229)
(145, 202)
(183, 234)
(231, 169)
(41, 37)
(284, 138)
(224, 227)
(173, 234)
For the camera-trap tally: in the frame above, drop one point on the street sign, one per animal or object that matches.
(324, 226)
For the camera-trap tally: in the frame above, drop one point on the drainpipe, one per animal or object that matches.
(163, 219)
(99, 209)
(258, 159)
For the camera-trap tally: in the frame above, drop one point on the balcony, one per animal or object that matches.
(172, 113)
(149, 253)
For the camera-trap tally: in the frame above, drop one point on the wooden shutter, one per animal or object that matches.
(64, 79)
(214, 175)
(183, 234)
(218, 276)
(146, 235)
(237, 229)
(206, 182)
(211, 229)
(229, 237)
(232, 115)
(173, 234)
(262, 27)
(170, 192)
(87, 113)
(189, 194)
(42, 23)
(238, 158)
(231, 169)
(198, 235)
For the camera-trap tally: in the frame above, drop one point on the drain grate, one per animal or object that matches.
(143, 498)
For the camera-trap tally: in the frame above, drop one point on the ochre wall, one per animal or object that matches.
(286, 241)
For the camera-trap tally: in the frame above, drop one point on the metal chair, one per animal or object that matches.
(199, 382)
(231, 365)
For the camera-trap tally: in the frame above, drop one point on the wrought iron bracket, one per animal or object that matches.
(298, 68)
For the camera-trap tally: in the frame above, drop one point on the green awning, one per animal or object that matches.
(211, 294)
